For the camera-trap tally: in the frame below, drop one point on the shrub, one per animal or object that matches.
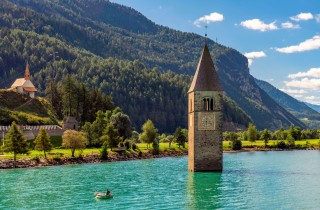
(104, 151)
(121, 144)
(155, 147)
(281, 145)
(134, 146)
(57, 158)
(127, 144)
(236, 145)
(36, 158)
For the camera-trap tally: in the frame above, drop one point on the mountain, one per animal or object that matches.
(313, 106)
(299, 109)
(78, 36)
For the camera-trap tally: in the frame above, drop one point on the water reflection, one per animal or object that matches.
(204, 190)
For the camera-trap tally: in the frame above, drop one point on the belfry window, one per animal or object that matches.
(207, 104)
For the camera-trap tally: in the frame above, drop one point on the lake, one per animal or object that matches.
(255, 180)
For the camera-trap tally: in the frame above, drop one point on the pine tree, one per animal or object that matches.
(42, 142)
(15, 141)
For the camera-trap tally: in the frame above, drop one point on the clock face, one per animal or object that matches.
(206, 121)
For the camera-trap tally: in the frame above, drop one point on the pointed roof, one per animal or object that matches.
(206, 77)
(27, 73)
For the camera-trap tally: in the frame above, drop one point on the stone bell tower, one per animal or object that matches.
(205, 117)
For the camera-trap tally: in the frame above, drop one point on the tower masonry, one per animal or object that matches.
(205, 121)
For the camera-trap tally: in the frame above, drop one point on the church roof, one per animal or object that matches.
(22, 82)
(29, 89)
(19, 82)
(206, 77)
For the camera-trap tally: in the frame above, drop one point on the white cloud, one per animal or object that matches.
(212, 17)
(252, 55)
(302, 17)
(293, 91)
(297, 96)
(305, 83)
(309, 44)
(289, 25)
(318, 18)
(313, 72)
(312, 100)
(256, 24)
(258, 54)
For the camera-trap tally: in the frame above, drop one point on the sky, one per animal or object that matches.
(280, 38)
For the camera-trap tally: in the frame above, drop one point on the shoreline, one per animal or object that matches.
(94, 158)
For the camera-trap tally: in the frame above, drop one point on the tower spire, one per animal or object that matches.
(27, 73)
(206, 35)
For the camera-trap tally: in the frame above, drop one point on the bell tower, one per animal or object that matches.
(205, 117)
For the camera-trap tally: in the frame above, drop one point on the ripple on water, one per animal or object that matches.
(259, 180)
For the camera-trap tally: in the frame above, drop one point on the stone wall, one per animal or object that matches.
(31, 131)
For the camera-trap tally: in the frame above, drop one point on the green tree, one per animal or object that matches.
(15, 141)
(74, 140)
(265, 135)
(149, 133)
(122, 123)
(42, 142)
(252, 132)
(104, 151)
(111, 136)
(290, 140)
(180, 137)
(295, 132)
(69, 96)
(97, 128)
(53, 96)
(236, 144)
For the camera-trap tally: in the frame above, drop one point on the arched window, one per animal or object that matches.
(207, 104)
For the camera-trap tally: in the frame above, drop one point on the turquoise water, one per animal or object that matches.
(255, 180)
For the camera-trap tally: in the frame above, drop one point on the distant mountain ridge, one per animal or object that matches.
(106, 29)
(313, 106)
(299, 109)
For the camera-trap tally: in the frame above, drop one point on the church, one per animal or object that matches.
(24, 85)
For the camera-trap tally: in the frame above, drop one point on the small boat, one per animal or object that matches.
(101, 195)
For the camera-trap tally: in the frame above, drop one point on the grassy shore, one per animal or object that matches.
(164, 148)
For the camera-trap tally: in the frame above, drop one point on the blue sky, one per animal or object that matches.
(281, 38)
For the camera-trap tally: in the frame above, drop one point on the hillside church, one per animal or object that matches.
(24, 85)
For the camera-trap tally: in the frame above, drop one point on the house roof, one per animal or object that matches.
(206, 77)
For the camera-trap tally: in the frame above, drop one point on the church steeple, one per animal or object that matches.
(205, 117)
(205, 78)
(27, 73)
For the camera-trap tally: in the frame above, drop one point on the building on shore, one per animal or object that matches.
(24, 85)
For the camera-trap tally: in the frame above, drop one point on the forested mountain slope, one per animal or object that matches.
(93, 32)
